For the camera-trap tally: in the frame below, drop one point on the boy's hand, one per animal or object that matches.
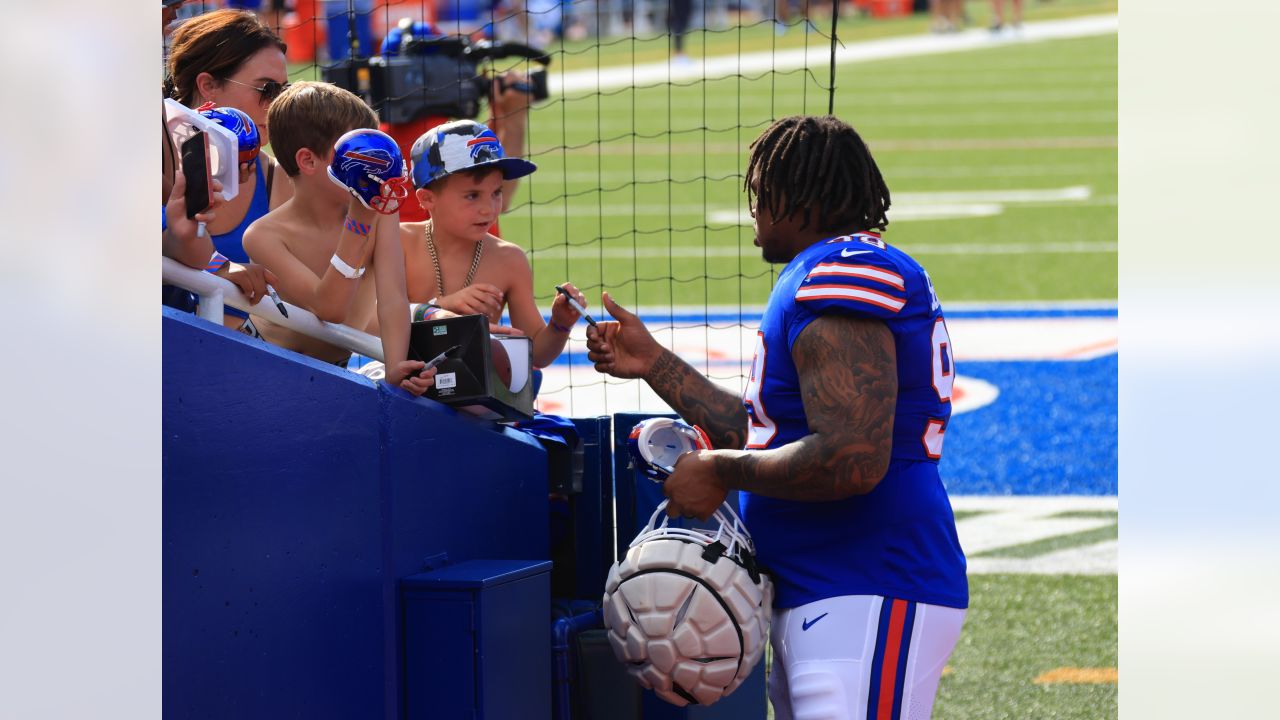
(623, 349)
(564, 314)
(405, 375)
(477, 299)
(252, 279)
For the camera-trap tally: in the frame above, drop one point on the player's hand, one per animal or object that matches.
(694, 489)
(252, 279)
(407, 375)
(564, 314)
(175, 211)
(476, 299)
(623, 349)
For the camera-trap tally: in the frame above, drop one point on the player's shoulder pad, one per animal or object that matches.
(854, 273)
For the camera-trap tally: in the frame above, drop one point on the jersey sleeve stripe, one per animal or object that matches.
(844, 292)
(865, 271)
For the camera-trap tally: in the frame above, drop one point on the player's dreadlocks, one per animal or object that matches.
(806, 164)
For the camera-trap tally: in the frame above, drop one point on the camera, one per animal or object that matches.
(434, 76)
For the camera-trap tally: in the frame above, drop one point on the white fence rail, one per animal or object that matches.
(216, 292)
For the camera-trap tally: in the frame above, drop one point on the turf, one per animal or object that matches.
(1020, 626)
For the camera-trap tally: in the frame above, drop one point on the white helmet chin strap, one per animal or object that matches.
(732, 534)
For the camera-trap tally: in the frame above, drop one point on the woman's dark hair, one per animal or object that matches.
(820, 168)
(217, 43)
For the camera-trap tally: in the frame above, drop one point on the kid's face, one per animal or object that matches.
(465, 206)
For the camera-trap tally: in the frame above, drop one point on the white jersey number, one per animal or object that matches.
(761, 429)
(944, 375)
(944, 369)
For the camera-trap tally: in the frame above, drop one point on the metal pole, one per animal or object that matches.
(831, 85)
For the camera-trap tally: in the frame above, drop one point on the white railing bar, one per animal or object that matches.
(215, 292)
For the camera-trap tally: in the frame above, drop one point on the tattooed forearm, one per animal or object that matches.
(699, 401)
(849, 384)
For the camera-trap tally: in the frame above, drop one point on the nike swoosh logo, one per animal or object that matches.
(807, 623)
(848, 253)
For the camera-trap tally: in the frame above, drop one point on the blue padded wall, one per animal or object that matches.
(296, 494)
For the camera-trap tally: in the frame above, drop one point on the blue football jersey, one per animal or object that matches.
(899, 540)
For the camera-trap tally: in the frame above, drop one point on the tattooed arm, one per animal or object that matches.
(625, 349)
(699, 401)
(849, 384)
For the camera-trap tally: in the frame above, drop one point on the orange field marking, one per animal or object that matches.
(1093, 676)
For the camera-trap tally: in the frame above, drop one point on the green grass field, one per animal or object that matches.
(1021, 626)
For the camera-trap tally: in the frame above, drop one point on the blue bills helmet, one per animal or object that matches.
(240, 125)
(655, 445)
(368, 164)
(462, 145)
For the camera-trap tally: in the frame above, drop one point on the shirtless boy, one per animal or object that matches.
(452, 260)
(333, 245)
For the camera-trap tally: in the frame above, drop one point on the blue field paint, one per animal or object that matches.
(1052, 431)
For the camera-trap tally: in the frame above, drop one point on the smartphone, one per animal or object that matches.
(195, 167)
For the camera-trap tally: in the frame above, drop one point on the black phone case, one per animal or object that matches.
(195, 167)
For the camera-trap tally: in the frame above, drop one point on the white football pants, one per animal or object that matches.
(860, 657)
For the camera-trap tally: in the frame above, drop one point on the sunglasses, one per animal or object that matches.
(270, 89)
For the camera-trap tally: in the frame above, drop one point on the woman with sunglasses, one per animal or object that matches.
(232, 59)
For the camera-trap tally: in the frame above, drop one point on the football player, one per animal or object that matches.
(835, 444)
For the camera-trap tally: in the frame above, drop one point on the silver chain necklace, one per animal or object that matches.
(428, 230)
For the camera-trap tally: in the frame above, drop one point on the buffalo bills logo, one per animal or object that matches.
(374, 160)
(485, 147)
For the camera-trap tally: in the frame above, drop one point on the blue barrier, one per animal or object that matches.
(593, 510)
(296, 495)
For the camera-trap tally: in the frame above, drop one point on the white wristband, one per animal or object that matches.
(347, 271)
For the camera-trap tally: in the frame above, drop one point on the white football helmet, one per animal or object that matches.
(688, 609)
(654, 445)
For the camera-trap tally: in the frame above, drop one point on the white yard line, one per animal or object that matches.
(1014, 520)
(1099, 559)
(609, 78)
